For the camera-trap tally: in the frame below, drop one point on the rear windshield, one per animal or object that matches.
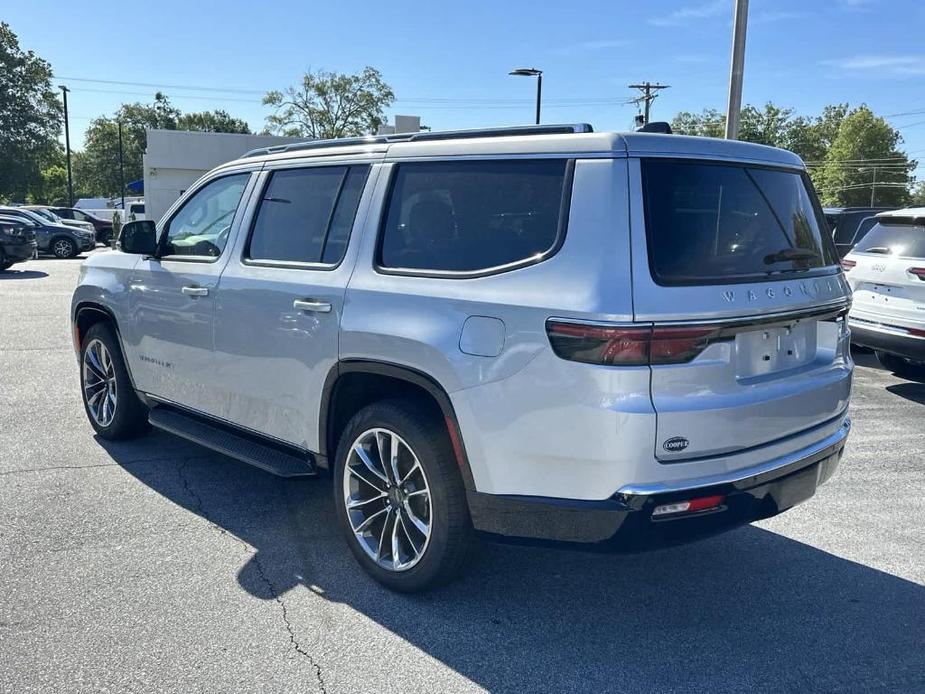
(902, 239)
(719, 223)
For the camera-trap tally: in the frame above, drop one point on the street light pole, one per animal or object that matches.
(532, 72)
(121, 169)
(67, 146)
(734, 104)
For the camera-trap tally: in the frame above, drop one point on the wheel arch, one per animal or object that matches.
(404, 380)
(86, 315)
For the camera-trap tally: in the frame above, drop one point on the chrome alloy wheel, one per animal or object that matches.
(99, 383)
(62, 248)
(387, 499)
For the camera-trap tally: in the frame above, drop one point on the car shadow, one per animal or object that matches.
(910, 391)
(14, 274)
(748, 610)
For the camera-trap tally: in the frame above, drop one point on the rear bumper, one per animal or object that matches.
(625, 522)
(19, 251)
(885, 337)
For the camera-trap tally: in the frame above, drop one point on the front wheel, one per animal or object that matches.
(900, 366)
(400, 499)
(63, 248)
(109, 398)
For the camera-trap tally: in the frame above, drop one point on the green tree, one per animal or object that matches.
(917, 198)
(768, 126)
(96, 169)
(865, 153)
(217, 121)
(30, 117)
(330, 104)
(709, 123)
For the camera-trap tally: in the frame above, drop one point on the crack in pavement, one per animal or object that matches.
(95, 465)
(261, 572)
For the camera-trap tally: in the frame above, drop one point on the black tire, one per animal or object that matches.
(63, 247)
(900, 366)
(130, 417)
(4, 263)
(452, 539)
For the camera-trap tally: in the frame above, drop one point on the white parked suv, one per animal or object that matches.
(618, 340)
(886, 271)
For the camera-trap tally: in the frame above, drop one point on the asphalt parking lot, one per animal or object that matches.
(155, 566)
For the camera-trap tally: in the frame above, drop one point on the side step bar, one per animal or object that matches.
(234, 444)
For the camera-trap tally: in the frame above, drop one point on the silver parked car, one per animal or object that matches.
(618, 340)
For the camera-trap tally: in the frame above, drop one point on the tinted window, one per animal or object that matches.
(202, 225)
(67, 214)
(903, 239)
(305, 215)
(719, 223)
(472, 215)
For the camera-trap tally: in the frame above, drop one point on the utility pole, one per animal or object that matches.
(873, 186)
(121, 168)
(734, 104)
(67, 145)
(649, 93)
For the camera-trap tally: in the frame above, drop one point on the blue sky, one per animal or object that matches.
(449, 62)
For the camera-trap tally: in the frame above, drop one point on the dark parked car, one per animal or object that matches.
(851, 224)
(103, 227)
(55, 239)
(17, 242)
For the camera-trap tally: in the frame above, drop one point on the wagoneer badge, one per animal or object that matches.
(676, 444)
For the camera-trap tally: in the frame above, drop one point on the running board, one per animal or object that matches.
(235, 445)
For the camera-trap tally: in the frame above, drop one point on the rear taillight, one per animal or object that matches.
(846, 265)
(918, 272)
(628, 345)
(595, 344)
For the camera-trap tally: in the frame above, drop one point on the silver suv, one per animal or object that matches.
(545, 333)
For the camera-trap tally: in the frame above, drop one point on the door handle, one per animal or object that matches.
(195, 291)
(310, 305)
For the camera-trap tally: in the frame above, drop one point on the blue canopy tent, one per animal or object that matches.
(136, 186)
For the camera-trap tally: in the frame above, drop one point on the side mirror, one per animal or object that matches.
(139, 237)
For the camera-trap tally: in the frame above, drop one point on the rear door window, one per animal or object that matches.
(474, 216)
(305, 215)
(719, 223)
(898, 238)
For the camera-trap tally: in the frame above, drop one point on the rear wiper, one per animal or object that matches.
(790, 254)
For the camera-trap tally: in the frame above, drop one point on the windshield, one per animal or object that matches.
(717, 223)
(47, 214)
(894, 237)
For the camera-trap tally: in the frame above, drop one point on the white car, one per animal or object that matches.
(886, 271)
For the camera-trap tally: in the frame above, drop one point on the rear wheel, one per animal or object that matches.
(901, 366)
(4, 263)
(63, 248)
(400, 499)
(110, 401)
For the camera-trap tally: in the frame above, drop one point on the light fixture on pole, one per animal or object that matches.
(532, 72)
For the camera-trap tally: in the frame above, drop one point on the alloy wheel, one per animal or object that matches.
(387, 499)
(62, 248)
(99, 383)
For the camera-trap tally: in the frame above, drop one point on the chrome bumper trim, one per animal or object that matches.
(795, 460)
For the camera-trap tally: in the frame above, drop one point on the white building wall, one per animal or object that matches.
(174, 159)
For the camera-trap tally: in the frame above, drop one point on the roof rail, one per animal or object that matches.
(424, 137)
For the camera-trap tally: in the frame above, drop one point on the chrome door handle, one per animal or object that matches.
(309, 305)
(195, 291)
